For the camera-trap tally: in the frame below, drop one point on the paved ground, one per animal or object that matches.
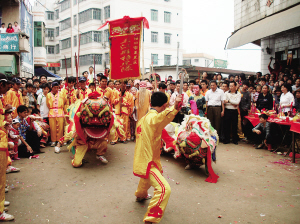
(251, 189)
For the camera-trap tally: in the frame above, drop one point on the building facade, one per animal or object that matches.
(198, 59)
(66, 20)
(272, 24)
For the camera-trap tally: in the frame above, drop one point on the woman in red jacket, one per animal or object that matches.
(9, 29)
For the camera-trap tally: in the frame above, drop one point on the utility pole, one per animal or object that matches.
(177, 75)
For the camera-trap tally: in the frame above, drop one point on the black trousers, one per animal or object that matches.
(246, 127)
(231, 124)
(33, 140)
(214, 116)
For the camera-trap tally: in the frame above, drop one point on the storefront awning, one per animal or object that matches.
(271, 25)
(41, 71)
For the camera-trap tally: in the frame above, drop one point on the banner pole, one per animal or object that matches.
(66, 69)
(143, 52)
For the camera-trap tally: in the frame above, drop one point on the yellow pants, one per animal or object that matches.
(239, 129)
(81, 149)
(9, 163)
(56, 128)
(3, 164)
(126, 125)
(162, 191)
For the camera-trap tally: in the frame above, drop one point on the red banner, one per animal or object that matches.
(53, 65)
(125, 39)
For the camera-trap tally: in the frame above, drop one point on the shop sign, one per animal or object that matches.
(9, 42)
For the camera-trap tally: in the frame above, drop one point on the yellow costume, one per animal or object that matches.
(56, 104)
(3, 164)
(2, 110)
(108, 93)
(189, 93)
(147, 164)
(71, 99)
(142, 111)
(14, 98)
(122, 112)
(84, 93)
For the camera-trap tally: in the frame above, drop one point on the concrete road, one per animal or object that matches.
(251, 189)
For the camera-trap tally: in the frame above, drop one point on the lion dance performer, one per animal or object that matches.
(147, 163)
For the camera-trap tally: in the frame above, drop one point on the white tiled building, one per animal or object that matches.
(272, 24)
(65, 20)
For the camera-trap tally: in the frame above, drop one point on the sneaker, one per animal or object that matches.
(260, 146)
(102, 159)
(6, 217)
(6, 190)
(57, 149)
(5, 209)
(188, 167)
(6, 203)
(34, 157)
(12, 169)
(53, 144)
(143, 199)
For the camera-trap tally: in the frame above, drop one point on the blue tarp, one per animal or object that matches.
(41, 71)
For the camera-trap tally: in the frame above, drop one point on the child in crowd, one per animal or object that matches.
(263, 132)
(25, 97)
(255, 94)
(14, 137)
(92, 87)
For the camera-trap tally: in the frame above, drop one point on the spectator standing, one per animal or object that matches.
(244, 105)
(215, 105)
(277, 94)
(265, 99)
(204, 85)
(276, 68)
(32, 100)
(9, 29)
(3, 28)
(16, 27)
(25, 97)
(297, 100)
(42, 103)
(43, 79)
(286, 99)
(39, 90)
(297, 85)
(232, 99)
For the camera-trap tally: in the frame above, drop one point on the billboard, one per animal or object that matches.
(26, 20)
(9, 42)
(218, 63)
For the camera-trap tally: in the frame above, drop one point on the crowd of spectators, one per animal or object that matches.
(10, 28)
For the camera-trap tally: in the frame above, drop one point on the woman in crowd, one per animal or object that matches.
(286, 99)
(10, 29)
(265, 99)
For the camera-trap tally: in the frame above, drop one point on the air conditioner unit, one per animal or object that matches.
(51, 38)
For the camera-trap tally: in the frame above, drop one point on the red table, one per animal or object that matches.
(295, 128)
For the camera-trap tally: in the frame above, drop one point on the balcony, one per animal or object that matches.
(14, 42)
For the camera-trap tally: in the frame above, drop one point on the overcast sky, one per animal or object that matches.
(206, 26)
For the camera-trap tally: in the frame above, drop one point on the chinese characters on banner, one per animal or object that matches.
(125, 38)
(9, 42)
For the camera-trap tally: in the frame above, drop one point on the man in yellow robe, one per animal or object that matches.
(82, 92)
(14, 96)
(69, 93)
(104, 90)
(146, 164)
(143, 100)
(4, 86)
(56, 101)
(122, 104)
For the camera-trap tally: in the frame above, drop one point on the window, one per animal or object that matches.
(63, 63)
(106, 36)
(57, 49)
(196, 60)
(74, 2)
(75, 20)
(50, 33)
(187, 62)
(107, 61)
(57, 31)
(39, 36)
(168, 38)
(97, 36)
(154, 37)
(66, 43)
(57, 14)
(75, 40)
(65, 5)
(154, 15)
(167, 17)
(88, 59)
(50, 15)
(65, 24)
(89, 15)
(168, 59)
(154, 59)
(50, 49)
(107, 12)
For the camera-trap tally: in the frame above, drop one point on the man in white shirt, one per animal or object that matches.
(179, 116)
(91, 74)
(296, 86)
(3, 28)
(232, 100)
(214, 105)
(41, 102)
